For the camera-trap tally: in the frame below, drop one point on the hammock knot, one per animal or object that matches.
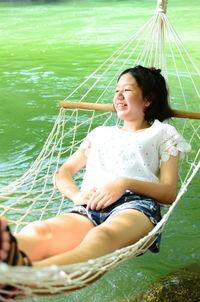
(91, 262)
(161, 6)
(63, 275)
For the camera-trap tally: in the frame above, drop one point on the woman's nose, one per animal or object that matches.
(120, 95)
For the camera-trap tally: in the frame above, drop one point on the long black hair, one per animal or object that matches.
(154, 89)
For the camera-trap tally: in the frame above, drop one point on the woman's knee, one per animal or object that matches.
(102, 234)
(38, 228)
(103, 230)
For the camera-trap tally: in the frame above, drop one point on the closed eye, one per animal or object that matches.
(126, 89)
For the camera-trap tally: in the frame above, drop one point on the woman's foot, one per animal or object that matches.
(9, 252)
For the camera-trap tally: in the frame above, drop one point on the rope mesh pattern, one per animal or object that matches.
(32, 196)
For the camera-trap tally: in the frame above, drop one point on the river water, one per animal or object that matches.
(46, 50)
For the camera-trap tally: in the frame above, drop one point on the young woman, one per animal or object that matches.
(130, 171)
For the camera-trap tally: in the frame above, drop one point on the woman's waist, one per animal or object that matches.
(100, 180)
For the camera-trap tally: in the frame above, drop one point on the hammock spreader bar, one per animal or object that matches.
(110, 108)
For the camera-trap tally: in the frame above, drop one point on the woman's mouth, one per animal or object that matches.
(121, 105)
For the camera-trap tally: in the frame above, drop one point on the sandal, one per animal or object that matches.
(15, 256)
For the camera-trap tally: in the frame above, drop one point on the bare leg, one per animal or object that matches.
(43, 239)
(120, 230)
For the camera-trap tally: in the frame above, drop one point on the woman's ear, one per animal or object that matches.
(147, 103)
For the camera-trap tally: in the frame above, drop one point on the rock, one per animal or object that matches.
(180, 286)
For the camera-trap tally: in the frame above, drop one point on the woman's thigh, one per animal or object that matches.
(58, 234)
(69, 229)
(127, 227)
(120, 230)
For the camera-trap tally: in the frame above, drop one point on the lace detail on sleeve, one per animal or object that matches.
(172, 143)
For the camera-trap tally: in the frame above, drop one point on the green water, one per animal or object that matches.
(46, 50)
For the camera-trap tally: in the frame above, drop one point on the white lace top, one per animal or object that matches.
(113, 152)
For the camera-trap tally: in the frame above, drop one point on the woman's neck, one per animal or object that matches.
(133, 126)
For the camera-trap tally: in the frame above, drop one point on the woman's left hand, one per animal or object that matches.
(106, 195)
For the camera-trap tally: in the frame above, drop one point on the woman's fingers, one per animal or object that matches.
(93, 201)
(98, 200)
(104, 203)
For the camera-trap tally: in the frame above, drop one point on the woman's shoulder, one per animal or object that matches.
(164, 127)
(172, 141)
(167, 132)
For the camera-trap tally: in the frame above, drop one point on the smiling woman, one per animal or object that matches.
(153, 91)
(130, 103)
(147, 88)
(121, 187)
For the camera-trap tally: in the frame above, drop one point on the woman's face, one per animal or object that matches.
(128, 100)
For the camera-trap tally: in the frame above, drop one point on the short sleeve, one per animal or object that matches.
(87, 141)
(172, 142)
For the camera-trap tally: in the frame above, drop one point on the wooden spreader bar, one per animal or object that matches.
(110, 108)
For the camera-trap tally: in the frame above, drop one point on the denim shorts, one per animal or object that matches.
(129, 200)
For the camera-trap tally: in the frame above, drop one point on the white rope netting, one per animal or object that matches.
(33, 197)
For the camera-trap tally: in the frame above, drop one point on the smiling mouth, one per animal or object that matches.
(121, 105)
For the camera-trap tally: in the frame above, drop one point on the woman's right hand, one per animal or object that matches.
(82, 198)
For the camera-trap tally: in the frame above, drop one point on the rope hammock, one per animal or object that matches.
(33, 197)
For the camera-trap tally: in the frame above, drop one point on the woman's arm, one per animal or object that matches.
(164, 191)
(63, 179)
